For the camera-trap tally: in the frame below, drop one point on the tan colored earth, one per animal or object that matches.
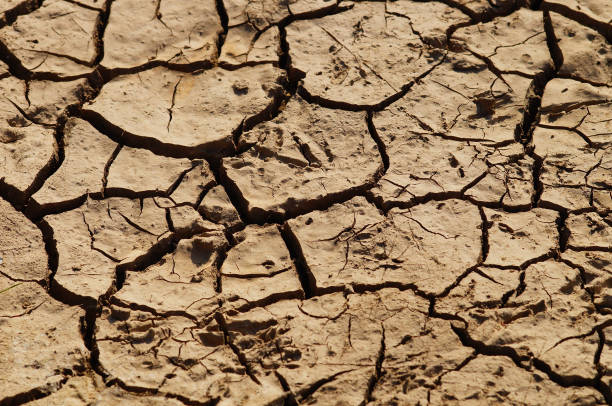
(305, 202)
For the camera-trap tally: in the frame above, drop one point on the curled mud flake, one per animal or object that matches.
(293, 167)
(359, 57)
(259, 268)
(408, 248)
(93, 240)
(138, 170)
(182, 32)
(594, 267)
(181, 282)
(86, 153)
(56, 38)
(175, 357)
(514, 43)
(22, 247)
(205, 109)
(590, 231)
(583, 37)
(25, 147)
(573, 139)
(519, 238)
(193, 184)
(486, 378)
(42, 341)
(217, 207)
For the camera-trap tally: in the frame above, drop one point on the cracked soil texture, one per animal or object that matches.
(305, 202)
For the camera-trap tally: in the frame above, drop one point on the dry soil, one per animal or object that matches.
(299, 202)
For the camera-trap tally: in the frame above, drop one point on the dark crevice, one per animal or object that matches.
(120, 136)
(234, 194)
(307, 279)
(382, 148)
(564, 232)
(305, 394)
(538, 186)
(552, 42)
(143, 308)
(290, 399)
(108, 164)
(224, 23)
(378, 367)
(503, 10)
(484, 238)
(535, 4)
(88, 329)
(151, 391)
(36, 211)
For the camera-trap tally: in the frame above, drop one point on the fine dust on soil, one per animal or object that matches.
(262, 202)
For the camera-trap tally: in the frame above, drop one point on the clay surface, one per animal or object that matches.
(305, 202)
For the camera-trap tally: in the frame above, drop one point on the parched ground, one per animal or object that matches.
(263, 202)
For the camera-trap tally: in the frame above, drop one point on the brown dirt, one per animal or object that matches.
(239, 202)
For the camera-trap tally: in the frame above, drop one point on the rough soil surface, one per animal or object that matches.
(261, 202)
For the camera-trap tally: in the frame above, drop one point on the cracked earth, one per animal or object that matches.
(262, 202)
